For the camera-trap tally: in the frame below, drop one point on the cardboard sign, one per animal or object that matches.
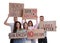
(17, 35)
(48, 25)
(16, 9)
(30, 34)
(35, 34)
(29, 13)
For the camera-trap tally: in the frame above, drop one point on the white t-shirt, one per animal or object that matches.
(12, 26)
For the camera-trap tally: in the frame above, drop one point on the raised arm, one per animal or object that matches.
(6, 21)
(36, 25)
(23, 20)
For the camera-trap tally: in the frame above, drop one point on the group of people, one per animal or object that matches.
(16, 27)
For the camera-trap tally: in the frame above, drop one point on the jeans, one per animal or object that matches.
(33, 41)
(43, 40)
(27, 40)
(11, 41)
(19, 40)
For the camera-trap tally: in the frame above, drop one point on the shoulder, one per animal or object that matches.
(11, 23)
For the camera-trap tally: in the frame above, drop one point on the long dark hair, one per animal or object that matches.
(15, 28)
(29, 22)
(24, 25)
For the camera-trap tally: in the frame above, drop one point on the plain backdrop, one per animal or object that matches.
(50, 9)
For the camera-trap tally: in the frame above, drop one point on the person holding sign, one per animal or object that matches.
(25, 27)
(42, 40)
(11, 25)
(18, 29)
(31, 27)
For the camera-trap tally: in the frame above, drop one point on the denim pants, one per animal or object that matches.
(33, 41)
(19, 40)
(43, 40)
(27, 40)
(11, 40)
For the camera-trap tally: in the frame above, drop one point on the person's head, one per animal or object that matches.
(15, 19)
(25, 25)
(30, 23)
(17, 26)
(41, 18)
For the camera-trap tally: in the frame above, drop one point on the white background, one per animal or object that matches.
(50, 9)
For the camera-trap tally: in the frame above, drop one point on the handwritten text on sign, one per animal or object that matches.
(38, 33)
(16, 9)
(35, 34)
(29, 13)
(48, 25)
(17, 35)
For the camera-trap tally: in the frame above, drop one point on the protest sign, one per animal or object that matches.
(29, 13)
(17, 35)
(30, 34)
(35, 34)
(48, 25)
(16, 9)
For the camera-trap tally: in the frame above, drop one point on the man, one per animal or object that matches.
(42, 40)
(11, 25)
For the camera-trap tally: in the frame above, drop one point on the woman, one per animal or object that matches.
(25, 27)
(31, 27)
(18, 29)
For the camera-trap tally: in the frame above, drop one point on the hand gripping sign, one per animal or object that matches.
(29, 13)
(30, 34)
(16, 9)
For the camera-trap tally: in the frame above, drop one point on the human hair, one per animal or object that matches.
(31, 23)
(15, 19)
(41, 16)
(24, 25)
(15, 28)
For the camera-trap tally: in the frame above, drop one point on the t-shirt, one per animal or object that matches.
(33, 27)
(12, 26)
(21, 31)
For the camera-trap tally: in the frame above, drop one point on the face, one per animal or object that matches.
(41, 18)
(17, 25)
(15, 19)
(30, 24)
(26, 26)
